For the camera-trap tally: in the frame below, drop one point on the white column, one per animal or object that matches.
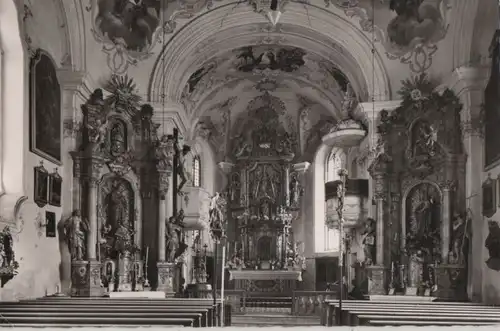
(469, 83)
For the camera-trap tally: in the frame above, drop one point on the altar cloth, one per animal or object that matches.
(138, 294)
(265, 275)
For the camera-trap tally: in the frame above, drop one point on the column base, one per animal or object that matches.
(451, 281)
(377, 279)
(86, 279)
(166, 272)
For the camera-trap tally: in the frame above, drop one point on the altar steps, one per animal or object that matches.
(269, 319)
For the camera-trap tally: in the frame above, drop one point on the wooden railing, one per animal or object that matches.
(310, 302)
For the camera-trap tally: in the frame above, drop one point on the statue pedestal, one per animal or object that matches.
(451, 282)
(124, 273)
(377, 279)
(201, 291)
(166, 272)
(86, 279)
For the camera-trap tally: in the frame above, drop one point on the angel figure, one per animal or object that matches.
(75, 229)
(97, 133)
(164, 151)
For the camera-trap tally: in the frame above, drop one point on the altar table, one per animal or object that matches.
(271, 282)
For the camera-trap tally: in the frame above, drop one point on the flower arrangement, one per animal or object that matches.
(235, 262)
(426, 245)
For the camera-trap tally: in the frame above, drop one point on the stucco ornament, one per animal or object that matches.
(411, 36)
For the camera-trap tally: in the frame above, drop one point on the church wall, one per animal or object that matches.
(39, 257)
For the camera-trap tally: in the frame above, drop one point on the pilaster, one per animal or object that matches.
(469, 83)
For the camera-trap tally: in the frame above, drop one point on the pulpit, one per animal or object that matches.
(266, 281)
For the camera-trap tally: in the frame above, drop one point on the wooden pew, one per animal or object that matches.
(351, 315)
(331, 314)
(74, 321)
(184, 302)
(410, 319)
(196, 318)
(205, 313)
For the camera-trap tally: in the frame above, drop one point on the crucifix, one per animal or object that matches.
(179, 170)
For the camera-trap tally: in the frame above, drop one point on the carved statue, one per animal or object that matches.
(118, 142)
(295, 191)
(123, 237)
(425, 139)
(241, 146)
(75, 230)
(492, 244)
(348, 100)
(459, 237)
(415, 269)
(173, 239)
(369, 241)
(181, 167)
(164, 152)
(217, 218)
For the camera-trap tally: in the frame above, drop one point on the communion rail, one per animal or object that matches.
(301, 303)
(307, 303)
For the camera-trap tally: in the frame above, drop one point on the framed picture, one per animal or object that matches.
(55, 188)
(45, 108)
(41, 192)
(489, 197)
(50, 227)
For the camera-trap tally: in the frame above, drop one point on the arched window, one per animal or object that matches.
(196, 171)
(336, 160)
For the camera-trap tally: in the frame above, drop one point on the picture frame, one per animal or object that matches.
(489, 196)
(45, 118)
(50, 224)
(41, 187)
(55, 189)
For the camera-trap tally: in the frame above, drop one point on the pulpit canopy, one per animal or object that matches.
(355, 203)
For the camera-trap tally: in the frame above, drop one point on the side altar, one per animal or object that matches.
(124, 173)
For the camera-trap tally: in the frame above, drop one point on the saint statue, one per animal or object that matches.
(415, 269)
(424, 213)
(294, 191)
(75, 229)
(123, 237)
(172, 238)
(216, 214)
(369, 240)
(459, 238)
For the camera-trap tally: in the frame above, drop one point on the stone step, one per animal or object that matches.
(264, 319)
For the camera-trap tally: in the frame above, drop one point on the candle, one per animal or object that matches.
(147, 253)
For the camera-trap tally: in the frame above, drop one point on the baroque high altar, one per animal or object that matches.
(264, 194)
(126, 182)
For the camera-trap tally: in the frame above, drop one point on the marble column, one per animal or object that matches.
(162, 214)
(94, 176)
(379, 256)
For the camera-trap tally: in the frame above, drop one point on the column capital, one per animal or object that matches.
(464, 79)
(172, 114)
(301, 168)
(370, 110)
(225, 167)
(72, 80)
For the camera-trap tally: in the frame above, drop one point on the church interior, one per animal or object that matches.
(278, 155)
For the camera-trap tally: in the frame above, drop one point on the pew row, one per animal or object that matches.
(409, 312)
(44, 312)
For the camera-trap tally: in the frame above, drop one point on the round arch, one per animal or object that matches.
(207, 164)
(344, 45)
(13, 104)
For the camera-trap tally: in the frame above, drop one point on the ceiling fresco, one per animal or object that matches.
(133, 30)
